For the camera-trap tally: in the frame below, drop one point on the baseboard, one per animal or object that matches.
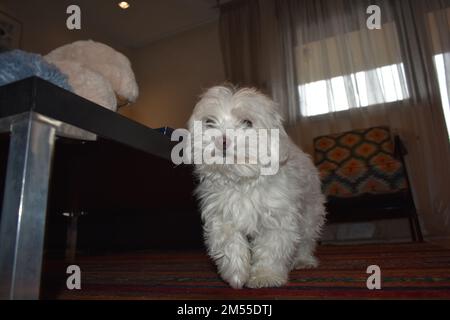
(365, 241)
(441, 241)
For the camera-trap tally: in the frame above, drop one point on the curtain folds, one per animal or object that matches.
(240, 35)
(330, 73)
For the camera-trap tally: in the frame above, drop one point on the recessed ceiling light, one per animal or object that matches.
(124, 5)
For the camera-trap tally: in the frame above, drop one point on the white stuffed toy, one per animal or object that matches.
(96, 72)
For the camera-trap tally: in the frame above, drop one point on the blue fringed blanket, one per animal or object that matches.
(16, 65)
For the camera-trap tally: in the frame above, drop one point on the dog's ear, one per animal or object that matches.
(284, 140)
(283, 145)
(273, 120)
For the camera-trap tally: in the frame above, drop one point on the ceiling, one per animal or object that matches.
(144, 22)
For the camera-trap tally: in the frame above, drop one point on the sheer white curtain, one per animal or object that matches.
(330, 73)
(349, 77)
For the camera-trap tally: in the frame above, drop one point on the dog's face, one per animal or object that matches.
(229, 119)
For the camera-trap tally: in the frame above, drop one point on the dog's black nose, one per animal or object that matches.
(222, 143)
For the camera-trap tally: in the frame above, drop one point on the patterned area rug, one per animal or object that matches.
(408, 271)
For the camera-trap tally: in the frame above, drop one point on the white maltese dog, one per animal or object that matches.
(257, 226)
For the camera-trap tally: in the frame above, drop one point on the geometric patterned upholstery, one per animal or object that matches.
(357, 162)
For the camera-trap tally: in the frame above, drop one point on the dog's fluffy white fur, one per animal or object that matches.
(257, 228)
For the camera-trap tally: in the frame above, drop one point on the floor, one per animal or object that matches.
(408, 271)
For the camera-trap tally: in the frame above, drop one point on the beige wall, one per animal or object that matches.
(44, 29)
(172, 73)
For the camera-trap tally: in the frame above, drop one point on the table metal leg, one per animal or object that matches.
(22, 226)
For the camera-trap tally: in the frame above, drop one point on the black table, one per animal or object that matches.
(32, 110)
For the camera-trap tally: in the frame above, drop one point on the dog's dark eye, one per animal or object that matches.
(247, 123)
(210, 123)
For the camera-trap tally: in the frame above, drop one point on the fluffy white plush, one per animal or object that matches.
(96, 72)
(257, 228)
(88, 84)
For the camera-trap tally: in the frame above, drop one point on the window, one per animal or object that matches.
(443, 80)
(350, 70)
(361, 89)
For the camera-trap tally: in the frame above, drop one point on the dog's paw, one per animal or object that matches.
(306, 263)
(264, 278)
(235, 278)
(237, 281)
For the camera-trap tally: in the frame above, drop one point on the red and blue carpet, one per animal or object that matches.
(408, 271)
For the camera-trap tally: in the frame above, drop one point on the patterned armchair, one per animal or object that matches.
(364, 177)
